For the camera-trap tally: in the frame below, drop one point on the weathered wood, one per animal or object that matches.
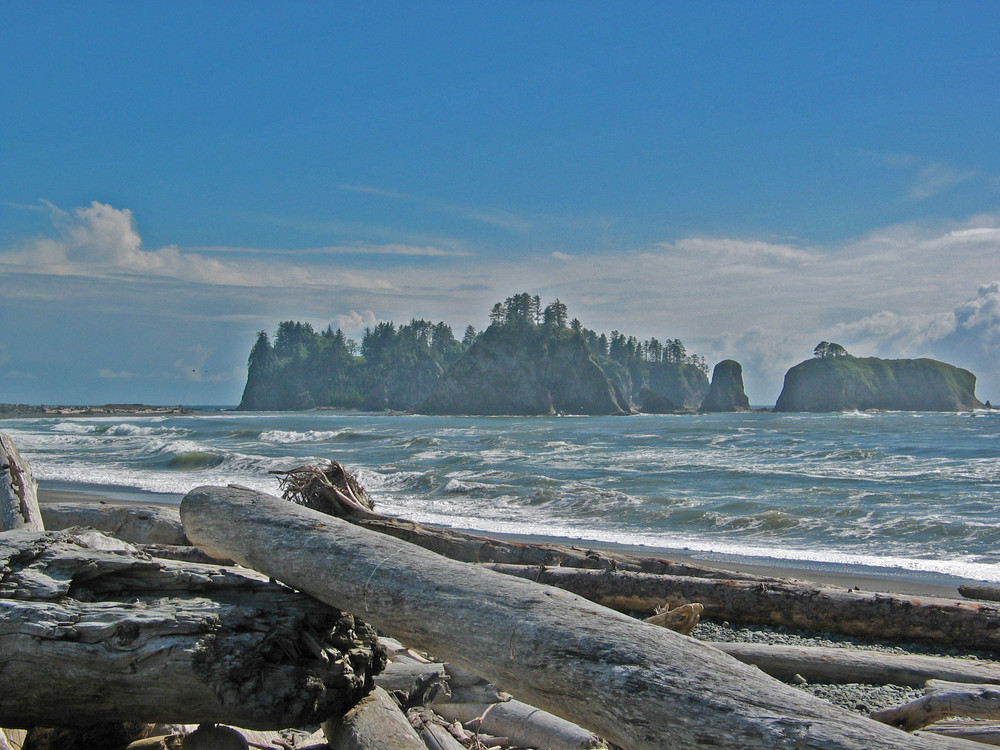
(844, 665)
(787, 602)
(18, 490)
(638, 685)
(93, 631)
(136, 524)
(524, 725)
(375, 723)
(984, 732)
(942, 699)
(975, 591)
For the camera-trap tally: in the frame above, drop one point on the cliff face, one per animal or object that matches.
(844, 383)
(726, 392)
(680, 383)
(523, 371)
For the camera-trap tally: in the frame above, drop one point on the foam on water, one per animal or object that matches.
(918, 492)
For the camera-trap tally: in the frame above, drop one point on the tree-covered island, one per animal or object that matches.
(530, 360)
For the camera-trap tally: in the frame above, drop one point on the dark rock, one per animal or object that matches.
(726, 392)
(651, 402)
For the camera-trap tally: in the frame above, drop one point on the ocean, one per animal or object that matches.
(916, 493)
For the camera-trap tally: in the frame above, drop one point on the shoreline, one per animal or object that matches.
(880, 580)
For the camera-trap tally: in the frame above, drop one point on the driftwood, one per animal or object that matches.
(787, 602)
(94, 632)
(984, 732)
(18, 490)
(375, 723)
(942, 699)
(136, 524)
(523, 725)
(844, 665)
(976, 591)
(638, 685)
(333, 490)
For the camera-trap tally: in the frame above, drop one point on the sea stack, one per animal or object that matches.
(726, 391)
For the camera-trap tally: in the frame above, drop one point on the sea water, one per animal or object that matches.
(909, 491)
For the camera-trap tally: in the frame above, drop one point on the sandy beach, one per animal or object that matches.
(883, 580)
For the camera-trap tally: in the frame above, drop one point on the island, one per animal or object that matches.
(833, 380)
(531, 360)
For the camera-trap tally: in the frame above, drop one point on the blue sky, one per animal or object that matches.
(748, 177)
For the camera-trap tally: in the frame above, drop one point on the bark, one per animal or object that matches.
(633, 683)
(844, 665)
(375, 723)
(95, 632)
(787, 602)
(941, 700)
(18, 490)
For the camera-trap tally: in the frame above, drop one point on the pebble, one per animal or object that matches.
(854, 697)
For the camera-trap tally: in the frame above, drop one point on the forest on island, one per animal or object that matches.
(405, 367)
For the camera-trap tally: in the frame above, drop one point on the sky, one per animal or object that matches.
(751, 178)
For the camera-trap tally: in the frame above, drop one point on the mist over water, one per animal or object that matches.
(912, 490)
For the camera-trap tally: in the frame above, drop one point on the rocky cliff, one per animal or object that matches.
(844, 383)
(524, 370)
(726, 392)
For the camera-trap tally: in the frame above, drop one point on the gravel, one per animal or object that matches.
(853, 696)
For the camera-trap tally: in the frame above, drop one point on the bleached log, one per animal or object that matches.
(845, 665)
(524, 725)
(18, 490)
(375, 723)
(787, 602)
(94, 632)
(942, 699)
(136, 524)
(984, 732)
(635, 684)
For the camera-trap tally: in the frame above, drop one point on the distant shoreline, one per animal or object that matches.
(22, 411)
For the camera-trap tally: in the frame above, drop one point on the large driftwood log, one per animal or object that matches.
(975, 591)
(638, 685)
(843, 665)
(942, 699)
(788, 602)
(93, 631)
(18, 490)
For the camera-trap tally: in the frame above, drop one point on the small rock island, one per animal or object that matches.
(836, 381)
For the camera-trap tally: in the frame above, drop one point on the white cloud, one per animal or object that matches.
(109, 374)
(100, 241)
(561, 256)
(354, 322)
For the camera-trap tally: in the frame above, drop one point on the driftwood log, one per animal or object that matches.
(18, 490)
(787, 602)
(942, 699)
(375, 723)
(136, 524)
(844, 665)
(976, 591)
(93, 631)
(638, 685)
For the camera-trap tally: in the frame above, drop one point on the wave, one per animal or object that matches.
(313, 436)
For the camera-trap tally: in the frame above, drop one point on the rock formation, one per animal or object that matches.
(513, 370)
(726, 392)
(845, 382)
